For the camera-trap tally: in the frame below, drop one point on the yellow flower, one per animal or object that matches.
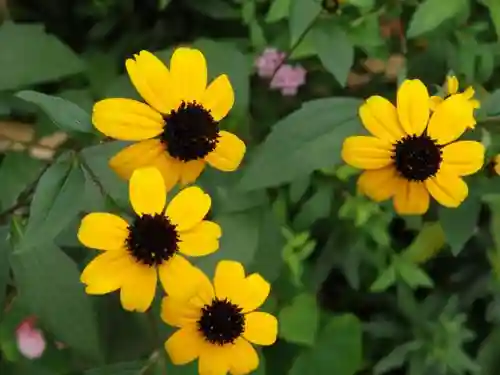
(451, 88)
(494, 165)
(218, 323)
(412, 153)
(178, 129)
(136, 253)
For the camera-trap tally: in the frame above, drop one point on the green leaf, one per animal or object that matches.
(49, 284)
(431, 13)
(487, 356)
(384, 280)
(428, 242)
(279, 10)
(334, 49)
(56, 202)
(33, 56)
(65, 114)
(17, 171)
(338, 349)
(298, 322)
(216, 9)
(459, 224)
(4, 266)
(124, 368)
(299, 187)
(494, 8)
(315, 208)
(396, 358)
(302, 14)
(303, 148)
(413, 275)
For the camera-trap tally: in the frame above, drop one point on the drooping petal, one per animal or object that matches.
(150, 153)
(229, 279)
(126, 119)
(214, 360)
(261, 328)
(138, 290)
(191, 170)
(380, 117)
(184, 345)
(254, 292)
(147, 191)
(228, 153)
(450, 119)
(219, 97)
(464, 157)
(103, 231)
(411, 198)
(413, 106)
(451, 85)
(448, 189)
(182, 280)
(179, 312)
(379, 184)
(188, 208)
(106, 272)
(367, 152)
(188, 69)
(202, 239)
(244, 358)
(152, 80)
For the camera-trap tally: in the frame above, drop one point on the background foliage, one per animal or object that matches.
(357, 289)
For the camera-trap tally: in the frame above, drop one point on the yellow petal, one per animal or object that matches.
(214, 360)
(138, 290)
(435, 101)
(202, 239)
(261, 328)
(450, 120)
(411, 198)
(367, 152)
(150, 153)
(179, 312)
(147, 191)
(380, 117)
(182, 280)
(253, 293)
(103, 231)
(451, 85)
(126, 119)
(244, 359)
(413, 106)
(189, 74)
(464, 157)
(228, 153)
(219, 97)
(379, 184)
(469, 92)
(188, 208)
(228, 280)
(152, 80)
(184, 345)
(106, 272)
(448, 189)
(191, 170)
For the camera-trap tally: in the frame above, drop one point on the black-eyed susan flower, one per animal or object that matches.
(136, 253)
(412, 153)
(218, 323)
(452, 88)
(178, 130)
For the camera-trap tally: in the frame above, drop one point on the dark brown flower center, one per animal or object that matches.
(221, 322)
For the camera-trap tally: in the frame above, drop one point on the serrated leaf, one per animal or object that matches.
(279, 10)
(302, 15)
(334, 49)
(299, 320)
(308, 139)
(431, 13)
(33, 56)
(65, 114)
(49, 284)
(413, 275)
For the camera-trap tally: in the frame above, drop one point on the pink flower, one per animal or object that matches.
(288, 79)
(268, 62)
(30, 340)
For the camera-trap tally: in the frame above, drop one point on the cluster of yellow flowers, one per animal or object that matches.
(177, 133)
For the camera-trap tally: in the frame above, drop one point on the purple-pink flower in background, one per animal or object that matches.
(30, 340)
(288, 79)
(268, 62)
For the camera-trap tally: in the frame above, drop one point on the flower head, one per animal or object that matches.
(413, 153)
(288, 79)
(178, 129)
(268, 62)
(219, 321)
(30, 340)
(151, 244)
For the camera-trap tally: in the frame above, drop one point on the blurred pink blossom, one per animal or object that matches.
(288, 79)
(30, 340)
(268, 62)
